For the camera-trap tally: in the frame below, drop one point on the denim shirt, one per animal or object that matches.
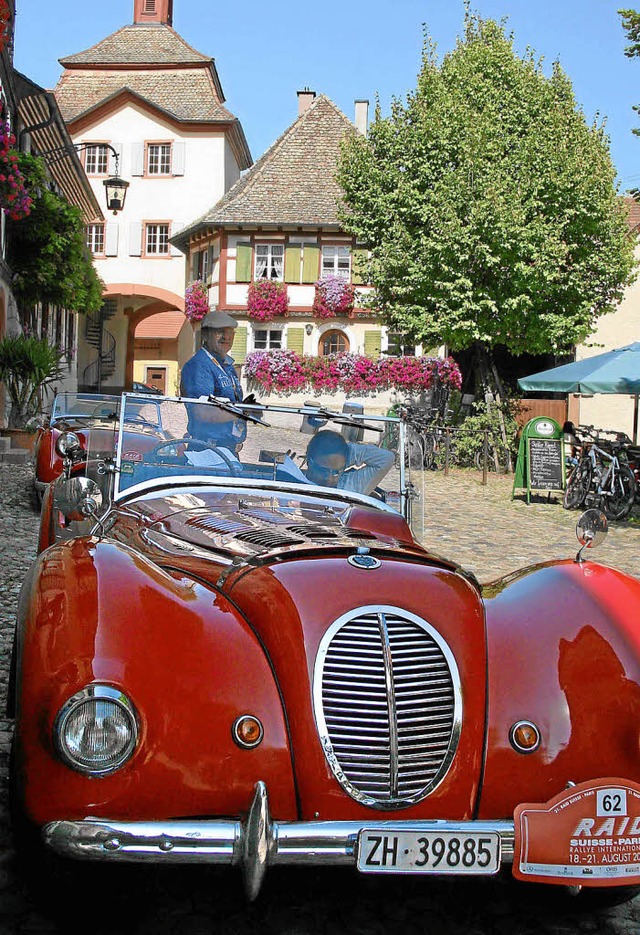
(202, 375)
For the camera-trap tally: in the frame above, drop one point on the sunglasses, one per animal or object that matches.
(326, 471)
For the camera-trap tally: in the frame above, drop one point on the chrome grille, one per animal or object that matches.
(388, 705)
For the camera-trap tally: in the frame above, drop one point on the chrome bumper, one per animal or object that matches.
(252, 845)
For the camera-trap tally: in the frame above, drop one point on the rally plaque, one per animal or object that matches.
(587, 835)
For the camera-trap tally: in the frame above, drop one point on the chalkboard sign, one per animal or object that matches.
(546, 464)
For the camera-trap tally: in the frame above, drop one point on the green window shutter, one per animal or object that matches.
(239, 347)
(244, 262)
(372, 343)
(295, 340)
(292, 263)
(359, 259)
(311, 262)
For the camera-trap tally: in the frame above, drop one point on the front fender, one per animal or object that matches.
(98, 612)
(563, 644)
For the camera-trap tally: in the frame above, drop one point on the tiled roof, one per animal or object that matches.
(140, 44)
(186, 95)
(161, 325)
(294, 182)
(633, 217)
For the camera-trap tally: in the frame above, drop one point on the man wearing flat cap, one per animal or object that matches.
(210, 372)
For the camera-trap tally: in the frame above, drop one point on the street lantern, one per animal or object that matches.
(115, 187)
(116, 192)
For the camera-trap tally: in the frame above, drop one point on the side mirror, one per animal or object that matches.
(78, 498)
(591, 530)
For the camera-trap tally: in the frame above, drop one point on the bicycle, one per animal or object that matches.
(599, 474)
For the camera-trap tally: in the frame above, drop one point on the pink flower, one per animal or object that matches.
(267, 299)
(196, 301)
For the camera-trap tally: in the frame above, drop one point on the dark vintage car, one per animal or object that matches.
(238, 654)
(76, 417)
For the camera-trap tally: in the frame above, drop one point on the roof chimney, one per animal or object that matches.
(153, 11)
(305, 100)
(362, 116)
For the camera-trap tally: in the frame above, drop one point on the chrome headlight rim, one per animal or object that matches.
(91, 693)
(66, 443)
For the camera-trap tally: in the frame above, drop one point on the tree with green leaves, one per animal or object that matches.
(489, 205)
(47, 250)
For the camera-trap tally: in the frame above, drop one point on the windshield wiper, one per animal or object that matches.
(222, 403)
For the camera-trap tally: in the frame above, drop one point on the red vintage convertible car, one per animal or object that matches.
(77, 418)
(239, 654)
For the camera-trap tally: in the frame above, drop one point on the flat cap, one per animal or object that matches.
(218, 320)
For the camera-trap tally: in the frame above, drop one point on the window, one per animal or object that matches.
(336, 261)
(159, 159)
(96, 159)
(267, 339)
(269, 261)
(156, 240)
(333, 342)
(399, 345)
(201, 265)
(95, 239)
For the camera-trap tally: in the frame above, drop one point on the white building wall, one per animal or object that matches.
(208, 166)
(615, 330)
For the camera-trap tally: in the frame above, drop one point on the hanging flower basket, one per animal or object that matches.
(196, 301)
(267, 299)
(334, 296)
(14, 198)
(5, 23)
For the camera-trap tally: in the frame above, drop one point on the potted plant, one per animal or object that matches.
(28, 366)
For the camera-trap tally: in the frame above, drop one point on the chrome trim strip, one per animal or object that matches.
(391, 702)
(245, 487)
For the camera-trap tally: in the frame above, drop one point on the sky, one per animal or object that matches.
(265, 51)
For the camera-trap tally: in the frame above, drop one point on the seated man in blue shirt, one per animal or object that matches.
(334, 462)
(210, 372)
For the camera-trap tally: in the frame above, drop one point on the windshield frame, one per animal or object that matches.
(122, 493)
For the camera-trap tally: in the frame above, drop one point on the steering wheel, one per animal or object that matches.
(195, 444)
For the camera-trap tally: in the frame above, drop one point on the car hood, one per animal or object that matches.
(294, 568)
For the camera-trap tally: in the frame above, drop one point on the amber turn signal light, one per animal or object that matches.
(247, 731)
(524, 737)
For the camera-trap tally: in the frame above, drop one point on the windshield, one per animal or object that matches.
(303, 446)
(85, 406)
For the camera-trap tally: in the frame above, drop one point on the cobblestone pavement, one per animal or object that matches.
(487, 532)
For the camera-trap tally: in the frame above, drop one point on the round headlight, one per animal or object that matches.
(66, 443)
(96, 730)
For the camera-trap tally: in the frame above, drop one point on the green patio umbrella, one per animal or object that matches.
(616, 372)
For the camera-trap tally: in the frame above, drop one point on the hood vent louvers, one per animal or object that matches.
(268, 539)
(213, 523)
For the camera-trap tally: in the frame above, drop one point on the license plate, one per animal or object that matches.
(438, 852)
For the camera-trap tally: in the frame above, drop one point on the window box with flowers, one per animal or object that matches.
(196, 301)
(286, 372)
(267, 299)
(334, 296)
